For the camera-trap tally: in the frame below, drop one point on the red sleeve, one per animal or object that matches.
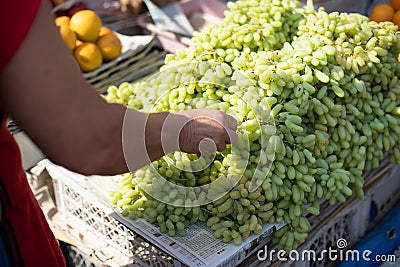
(16, 18)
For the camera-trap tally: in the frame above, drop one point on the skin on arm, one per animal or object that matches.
(198, 131)
(43, 89)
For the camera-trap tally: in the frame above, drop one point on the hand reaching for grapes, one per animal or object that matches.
(206, 131)
(198, 131)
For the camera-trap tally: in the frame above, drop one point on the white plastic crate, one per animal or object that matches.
(88, 222)
(382, 195)
(77, 258)
(145, 254)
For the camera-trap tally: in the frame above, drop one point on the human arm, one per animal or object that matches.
(44, 91)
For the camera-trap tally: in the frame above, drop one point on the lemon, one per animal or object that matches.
(110, 46)
(86, 24)
(62, 20)
(104, 30)
(78, 43)
(88, 56)
(68, 36)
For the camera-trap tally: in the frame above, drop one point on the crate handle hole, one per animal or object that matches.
(373, 211)
(391, 234)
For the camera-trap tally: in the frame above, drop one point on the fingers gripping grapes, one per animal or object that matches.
(207, 130)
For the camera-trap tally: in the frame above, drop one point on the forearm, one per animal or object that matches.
(83, 135)
(117, 140)
(91, 146)
(147, 137)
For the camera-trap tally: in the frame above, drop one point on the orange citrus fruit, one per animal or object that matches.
(110, 46)
(68, 36)
(396, 18)
(382, 12)
(78, 43)
(104, 30)
(62, 20)
(88, 56)
(395, 4)
(86, 24)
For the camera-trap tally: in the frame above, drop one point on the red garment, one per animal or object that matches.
(25, 237)
(16, 18)
(23, 227)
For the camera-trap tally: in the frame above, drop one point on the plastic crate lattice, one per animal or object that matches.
(86, 220)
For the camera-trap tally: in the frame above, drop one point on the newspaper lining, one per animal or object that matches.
(199, 247)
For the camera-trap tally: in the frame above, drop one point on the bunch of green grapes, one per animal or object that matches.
(317, 99)
(229, 174)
